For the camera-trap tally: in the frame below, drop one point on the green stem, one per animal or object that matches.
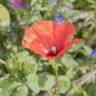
(56, 75)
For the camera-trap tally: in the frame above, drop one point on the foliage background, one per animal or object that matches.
(23, 73)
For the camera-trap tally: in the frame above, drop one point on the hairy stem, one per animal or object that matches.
(56, 75)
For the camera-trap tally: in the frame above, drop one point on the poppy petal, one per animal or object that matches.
(38, 37)
(65, 49)
(63, 32)
(32, 42)
(70, 29)
(58, 33)
(44, 30)
(42, 36)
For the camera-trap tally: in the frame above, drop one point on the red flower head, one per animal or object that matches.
(49, 39)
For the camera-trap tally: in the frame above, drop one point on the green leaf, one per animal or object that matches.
(68, 61)
(64, 84)
(5, 81)
(32, 83)
(46, 81)
(76, 47)
(30, 68)
(4, 16)
(86, 50)
(85, 34)
(70, 73)
(22, 91)
(7, 86)
(24, 57)
(25, 62)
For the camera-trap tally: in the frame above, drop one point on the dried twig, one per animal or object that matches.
(83, 15)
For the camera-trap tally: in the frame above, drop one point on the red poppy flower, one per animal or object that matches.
(49, 39)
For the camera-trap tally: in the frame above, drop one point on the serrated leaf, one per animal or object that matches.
(70, 73)
(46, 81)
(32, 82)
(64, 84)
(68, 61)
(24, 57)
(7, 86)
(86, 50)
(22, 91)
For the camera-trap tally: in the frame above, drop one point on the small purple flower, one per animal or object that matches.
(58, 18)
(19, 4)
(24, 5)
(93, 54)
(16, 3)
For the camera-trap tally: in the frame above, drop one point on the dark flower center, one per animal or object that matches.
(53, 50)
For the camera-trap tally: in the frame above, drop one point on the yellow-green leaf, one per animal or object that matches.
(4, 16)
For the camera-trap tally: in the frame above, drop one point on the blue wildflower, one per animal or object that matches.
(58, 18)
(93, 54)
